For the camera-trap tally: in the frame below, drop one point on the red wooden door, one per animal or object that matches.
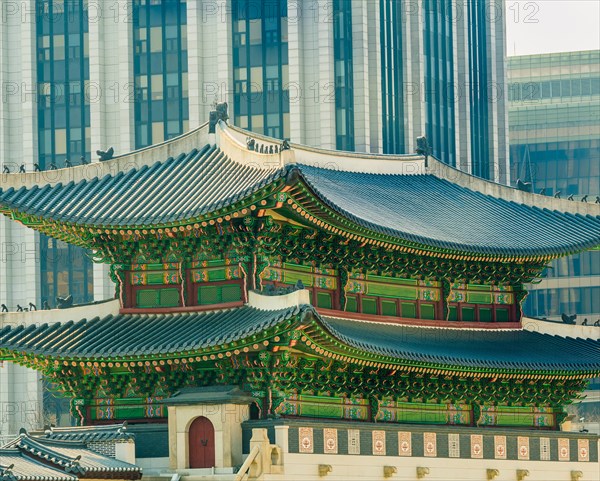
(202, 443)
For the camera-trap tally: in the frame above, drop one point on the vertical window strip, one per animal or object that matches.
(76, 268)
(254, 102)
(343, 68)
(439, 79)
(392, 77)
(150, 113)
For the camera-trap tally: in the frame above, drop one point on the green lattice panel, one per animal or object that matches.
(324, 407)
(149, 298)
(393, 291)
(516, 416)
(409, 310)
(480, 297)
(208, 295)
(421, 413)
(369, 306)
(502, 315)
(389, 308)
(324, 300)
(351, 304)
(427, 311)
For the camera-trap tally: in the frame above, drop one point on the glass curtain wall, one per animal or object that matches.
(392, 98)
(439, 79)
(260, 66)
(478, 88)
(344, 91)
(63, 130)
(160, 70)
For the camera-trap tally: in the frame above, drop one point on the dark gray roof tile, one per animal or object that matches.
(129, 335)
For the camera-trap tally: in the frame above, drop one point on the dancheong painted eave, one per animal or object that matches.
(387, 200)
(196, 336)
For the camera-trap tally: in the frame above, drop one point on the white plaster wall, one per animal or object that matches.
(304, 467)
(560, 329)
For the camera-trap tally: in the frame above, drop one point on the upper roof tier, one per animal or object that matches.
(395, 199)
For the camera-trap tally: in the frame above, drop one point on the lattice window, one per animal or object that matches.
(454, 445)
(544, 449)
(152, 298)
(394, 297)
(219, 294)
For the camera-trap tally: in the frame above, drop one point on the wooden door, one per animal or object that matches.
(202, 443)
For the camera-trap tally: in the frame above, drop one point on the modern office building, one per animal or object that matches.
(555, 145)
(554, 119)
(79, 76)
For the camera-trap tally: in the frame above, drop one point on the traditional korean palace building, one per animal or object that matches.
(290, 313)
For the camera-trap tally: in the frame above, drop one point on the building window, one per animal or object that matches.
(260, 60)
(394, 297)
(219, 293)
(439, 79)
(64, 270)
(160, 70)
(63, 123)
(344, 92)
(392, 85)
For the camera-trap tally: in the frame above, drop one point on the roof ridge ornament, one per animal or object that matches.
(423, 148)
(219, 113)
(104, 155)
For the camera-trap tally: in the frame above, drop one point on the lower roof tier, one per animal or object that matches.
(128, 337)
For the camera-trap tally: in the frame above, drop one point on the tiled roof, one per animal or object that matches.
(89, 434)
(169, 334)
(502, 349)
(169, 191)
(27, 469)
(138, 334)
(435, 212)
(417, 208)
(72, 457)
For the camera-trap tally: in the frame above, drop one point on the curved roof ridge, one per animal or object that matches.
(136, 159)
(230, 138)
(401, 325)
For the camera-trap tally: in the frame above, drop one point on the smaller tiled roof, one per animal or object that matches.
(15, 466)
(89, 434)
(436, 212)
(209, 395)
(72, 457)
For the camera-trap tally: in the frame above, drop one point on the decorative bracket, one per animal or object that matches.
(422, 472)
(325, 469)
(576, 475)
(522, 474)
(389, 471)
(492, 473)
